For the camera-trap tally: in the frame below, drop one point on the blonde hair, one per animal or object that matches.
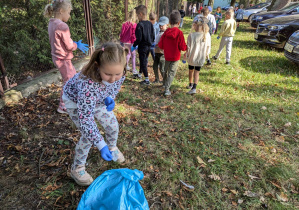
(132, 16)
(55, 6)
(108, 53)
(230, 13)
(201, 25)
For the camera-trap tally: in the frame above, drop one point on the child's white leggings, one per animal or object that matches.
(107, 120)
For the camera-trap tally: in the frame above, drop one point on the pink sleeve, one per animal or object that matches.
(133, 33)
(122, 32)
(65, 36)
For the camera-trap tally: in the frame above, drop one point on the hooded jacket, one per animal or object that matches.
(172, 42)
(127, 34)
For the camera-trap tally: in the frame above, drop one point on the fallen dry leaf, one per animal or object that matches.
(282, 197)
(240, 201)
(200, 161)
(250, 194)
(264, 108)
(224, 189)
(214, 177)
(253, 177)
(279, 139)
(234, 192)
(234, 203)
(210, 161)
(288, 124)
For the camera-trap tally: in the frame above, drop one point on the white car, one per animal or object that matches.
(255, 9)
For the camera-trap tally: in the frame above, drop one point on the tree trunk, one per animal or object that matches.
(278, 4)
(232, 3)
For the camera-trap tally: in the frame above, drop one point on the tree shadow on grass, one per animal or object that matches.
(268, 65)
(252, 44)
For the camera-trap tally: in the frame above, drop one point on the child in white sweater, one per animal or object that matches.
(199, 44)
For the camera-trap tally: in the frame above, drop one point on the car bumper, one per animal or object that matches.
(290, 52)
(270, 40)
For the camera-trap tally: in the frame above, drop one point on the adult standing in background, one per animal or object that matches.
(190, 10)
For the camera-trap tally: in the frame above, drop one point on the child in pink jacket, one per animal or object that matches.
(62, 46)
(127, 38)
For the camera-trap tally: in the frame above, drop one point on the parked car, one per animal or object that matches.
(256, 8)
(291, 48)
(276, 31)
(228, 6)
(291, 9)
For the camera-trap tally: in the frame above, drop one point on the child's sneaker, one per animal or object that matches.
(144, 82)
(227, 62)
(61, 111)
(80, 176)
(189, 86)
(167, 93)
(117, 153)
(192, 91)
(214, 58)
(136, 76)
(128, 68)
(209, 62)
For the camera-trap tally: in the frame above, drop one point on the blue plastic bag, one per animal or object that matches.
(115, 189)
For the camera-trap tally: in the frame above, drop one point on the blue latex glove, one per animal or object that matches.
(153, 46)
(81, 46)
(109, 102)
(218, 37)
(134, 48)
(183, 61)
(106, 154)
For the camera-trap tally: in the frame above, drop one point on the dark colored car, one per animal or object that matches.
(291, 9)
(228, 6)
(276, 31)
(291, 48)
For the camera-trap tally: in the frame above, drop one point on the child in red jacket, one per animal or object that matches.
(172, 42)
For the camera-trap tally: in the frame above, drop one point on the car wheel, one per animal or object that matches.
(250, 17)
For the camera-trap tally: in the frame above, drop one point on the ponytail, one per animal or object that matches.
(48, 13)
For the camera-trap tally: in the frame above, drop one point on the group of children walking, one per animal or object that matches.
(90, 94)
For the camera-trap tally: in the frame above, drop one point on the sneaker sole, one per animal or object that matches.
(61, 111)
(81, 183)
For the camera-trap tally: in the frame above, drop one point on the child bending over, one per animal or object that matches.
(90, 95)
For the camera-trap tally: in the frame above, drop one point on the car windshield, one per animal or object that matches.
(258, 6)
(289, 7)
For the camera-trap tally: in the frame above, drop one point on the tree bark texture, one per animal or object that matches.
(278, 4)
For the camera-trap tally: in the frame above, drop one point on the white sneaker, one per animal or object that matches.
(192, 91)
(80, 176)
(118, 154)
(167, 93)
(128, 68)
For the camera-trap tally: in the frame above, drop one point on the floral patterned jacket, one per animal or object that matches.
(88, 94)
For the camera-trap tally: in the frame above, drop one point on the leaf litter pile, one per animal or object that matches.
(181, 170)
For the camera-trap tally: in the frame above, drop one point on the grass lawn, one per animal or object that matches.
(235, 141)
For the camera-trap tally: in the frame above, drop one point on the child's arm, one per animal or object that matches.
(223, 28)
(188, 45)
(182, 43)
(160, 44)
(65, 35)
(138, 34)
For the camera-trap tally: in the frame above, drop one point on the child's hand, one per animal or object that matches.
(81, 46)
(106, 154)
(109, 102)
(133, 48)
(218, 37)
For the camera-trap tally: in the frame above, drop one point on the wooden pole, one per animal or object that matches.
(126, 10)
(88, 26)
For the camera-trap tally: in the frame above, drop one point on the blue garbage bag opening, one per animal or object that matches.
(115, 189)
